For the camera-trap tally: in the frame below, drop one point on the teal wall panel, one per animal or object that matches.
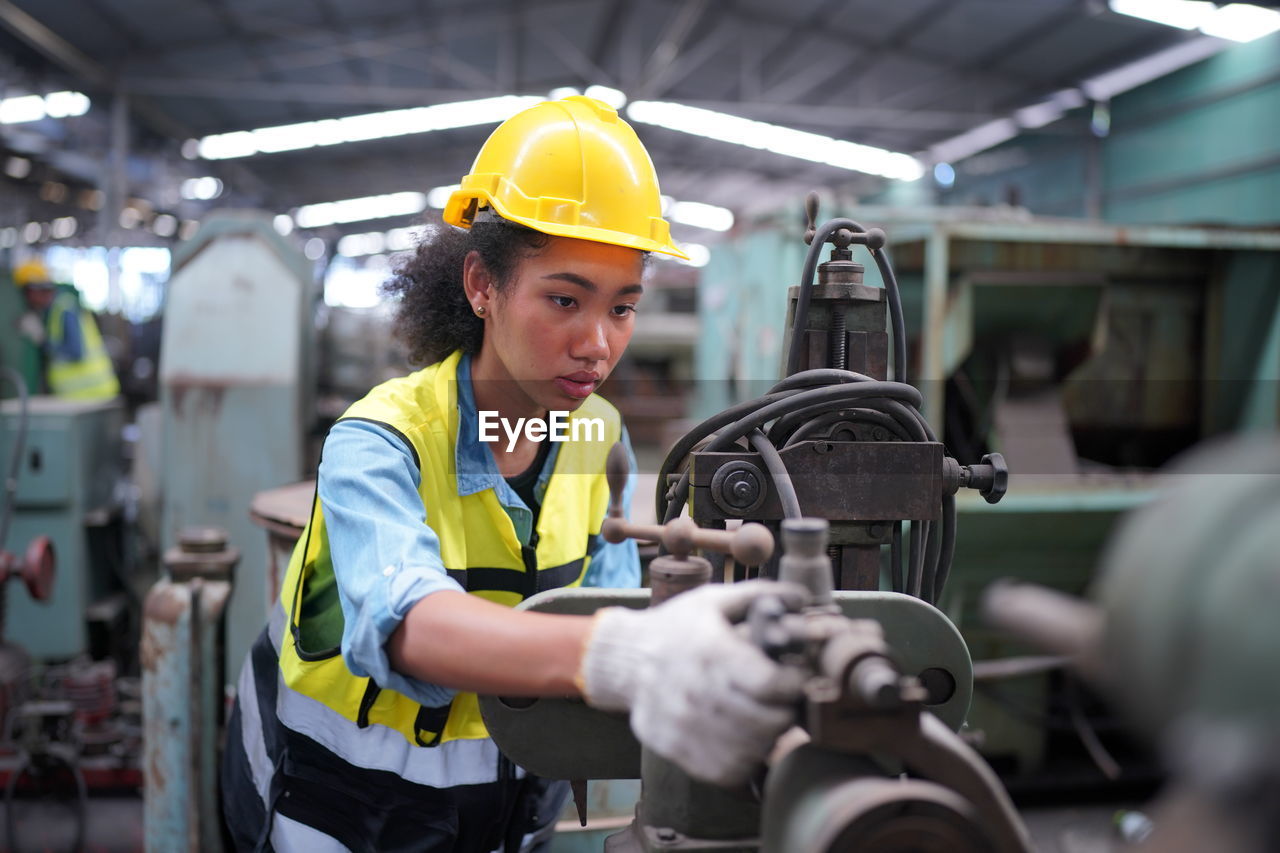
(1199, 146)
(1048, 173)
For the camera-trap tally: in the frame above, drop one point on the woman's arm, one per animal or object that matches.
(458, 640)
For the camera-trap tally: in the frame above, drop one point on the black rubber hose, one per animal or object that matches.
(806, 284)
(895, 559)
(814, 399)
(691, 438)
(733, 424)
(932, 548)
(819, 376)
(903, 418)
(915, 559)
(896, 319)
(948, 550)
(868, 416)
(890, 391)
(778, 471)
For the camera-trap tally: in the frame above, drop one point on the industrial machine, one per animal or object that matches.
(66, 728)
(1087, 354)
(64, 458)
(1180, 635)
(837, 463)
(234, 377)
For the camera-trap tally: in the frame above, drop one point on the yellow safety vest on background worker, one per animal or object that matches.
(91, 377)
(479, 548)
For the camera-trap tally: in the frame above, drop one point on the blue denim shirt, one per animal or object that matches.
(385, 557)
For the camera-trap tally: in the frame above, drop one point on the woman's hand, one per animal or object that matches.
(699, 693)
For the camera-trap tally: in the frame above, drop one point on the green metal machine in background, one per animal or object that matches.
(1087, 354)
(68, 469)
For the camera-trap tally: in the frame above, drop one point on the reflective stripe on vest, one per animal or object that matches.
(352, 716)
(91, 377)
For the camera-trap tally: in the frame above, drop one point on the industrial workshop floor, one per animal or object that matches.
(115, 826)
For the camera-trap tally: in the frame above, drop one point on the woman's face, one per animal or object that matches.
(562, 322)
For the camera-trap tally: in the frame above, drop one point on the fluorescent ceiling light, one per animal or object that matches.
(356, 245)
(200, 189)
(26, 108)
(438, 197)
(359, 209)
(1241, 22)
(377, 242)
(1050, 109)
(401, 239)
(698, 254)
(1235, 21)
(66, 104)
(615, 98)
(165, 225)
(780, 140)
(1183, 14)
(970, 142)
(697, 214)
(563, 92)
(335, 131)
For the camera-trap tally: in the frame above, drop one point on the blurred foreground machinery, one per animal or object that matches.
(70, 723)
(837, 463)
(1182, 637)
(1087, 354)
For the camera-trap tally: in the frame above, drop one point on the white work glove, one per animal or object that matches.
(32, 328)
(700, 694)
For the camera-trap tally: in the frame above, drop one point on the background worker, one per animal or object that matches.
(74, 362)
(357, 725)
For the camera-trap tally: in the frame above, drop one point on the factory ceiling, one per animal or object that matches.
(906, 77)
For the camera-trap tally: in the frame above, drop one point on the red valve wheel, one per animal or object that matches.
(38, 566)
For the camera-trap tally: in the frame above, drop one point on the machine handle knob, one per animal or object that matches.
(993, 480)
(751, 544)
(616, 470)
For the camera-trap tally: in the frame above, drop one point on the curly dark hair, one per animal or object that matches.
(434, 317)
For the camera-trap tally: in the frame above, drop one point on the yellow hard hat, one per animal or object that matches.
(32, 272)
(571, 168)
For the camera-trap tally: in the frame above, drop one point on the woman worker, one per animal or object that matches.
(356, 724)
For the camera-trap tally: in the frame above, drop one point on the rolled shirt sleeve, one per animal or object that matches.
(385, 557)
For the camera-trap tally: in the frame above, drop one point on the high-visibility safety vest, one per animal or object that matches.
(353, 716)
(91, 377)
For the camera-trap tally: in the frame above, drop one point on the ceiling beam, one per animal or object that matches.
(668, 47)
(311, 93)
(607, 31)
(53, 46)
(464, 18)
(63, 53)
(574, 57)
(803, 85)
(941, 86)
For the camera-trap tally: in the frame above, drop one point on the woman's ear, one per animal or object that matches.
(477, 283)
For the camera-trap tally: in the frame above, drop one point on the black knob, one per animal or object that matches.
(991, 478)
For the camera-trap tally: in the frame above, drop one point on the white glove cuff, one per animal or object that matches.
(613, 659)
